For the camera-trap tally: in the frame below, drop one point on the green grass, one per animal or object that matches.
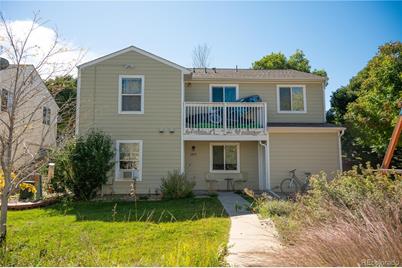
(186, 232)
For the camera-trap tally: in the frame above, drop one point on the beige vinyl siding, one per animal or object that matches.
(306, 152)
(162, 110)
(199, 91)
(198, 164)
(36, 96)
(87, 98)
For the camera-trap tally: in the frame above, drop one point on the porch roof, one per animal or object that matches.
(303, 127)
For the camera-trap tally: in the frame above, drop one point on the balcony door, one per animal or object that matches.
(224, 93)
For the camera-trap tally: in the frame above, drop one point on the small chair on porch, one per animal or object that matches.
(240, 180)
(211, 182)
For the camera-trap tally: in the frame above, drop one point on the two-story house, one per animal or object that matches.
(25, 98)
(163, 116)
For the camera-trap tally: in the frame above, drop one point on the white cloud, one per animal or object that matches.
(40, 42)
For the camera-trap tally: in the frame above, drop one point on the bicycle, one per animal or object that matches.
(294, 184)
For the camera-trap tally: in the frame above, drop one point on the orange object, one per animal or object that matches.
(392, 143)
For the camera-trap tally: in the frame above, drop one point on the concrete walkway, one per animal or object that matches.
(250, 241)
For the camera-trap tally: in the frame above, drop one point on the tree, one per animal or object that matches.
(64, 90)
(25, 100)
(278, 61)
(339, 101)
(298, 61)
(367, 106)
(273, 61)
(320, 72)
(201, 56)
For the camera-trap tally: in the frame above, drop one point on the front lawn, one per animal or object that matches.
(187, 232)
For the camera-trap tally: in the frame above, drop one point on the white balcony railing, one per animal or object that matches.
(225, 118)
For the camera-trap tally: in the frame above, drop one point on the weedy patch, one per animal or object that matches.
(355, 219)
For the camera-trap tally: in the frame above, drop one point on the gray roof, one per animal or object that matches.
(250, 74)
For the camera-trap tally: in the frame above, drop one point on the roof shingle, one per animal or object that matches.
(251, 74)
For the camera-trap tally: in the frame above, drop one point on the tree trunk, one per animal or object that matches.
(3, 216)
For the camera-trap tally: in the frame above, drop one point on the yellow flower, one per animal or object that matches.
(29, 187)
(23, 186)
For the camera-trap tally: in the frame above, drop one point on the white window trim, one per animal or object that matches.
(142, 94)
(211, 170)
(117, 165)
(223, 85)
(278, 100)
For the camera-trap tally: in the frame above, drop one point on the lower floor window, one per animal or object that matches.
(225, 157)
(129, 160)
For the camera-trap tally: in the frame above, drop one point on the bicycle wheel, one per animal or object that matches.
(289, 186)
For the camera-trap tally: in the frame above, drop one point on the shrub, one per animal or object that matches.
(176, 185)
(273, 208)
(63, 172)
(91, 161)
(356, 220)
(349, 189)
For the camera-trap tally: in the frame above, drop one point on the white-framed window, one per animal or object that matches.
(291, 99)
(224, 157)
(5, 100)
(128, 160)
(131, 94)
(46, 115)
(223, 92)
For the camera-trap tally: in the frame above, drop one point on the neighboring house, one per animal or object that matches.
(163, 116)
(36, 111)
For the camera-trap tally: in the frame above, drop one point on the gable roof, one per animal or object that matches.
(138, 50)
(31, 68)
(251, 74)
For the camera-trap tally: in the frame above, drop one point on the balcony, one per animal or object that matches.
(223, 120)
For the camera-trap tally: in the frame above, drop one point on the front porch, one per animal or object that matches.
(211, 163)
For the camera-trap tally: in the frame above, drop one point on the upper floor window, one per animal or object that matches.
(5, 100)
(291, 99)
(46, 116)
(131, 94)
(224, 93)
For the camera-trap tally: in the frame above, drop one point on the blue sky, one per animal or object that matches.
(337, 36)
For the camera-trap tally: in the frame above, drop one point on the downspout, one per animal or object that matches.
(267, 179)
(340, 134)
(267, 176)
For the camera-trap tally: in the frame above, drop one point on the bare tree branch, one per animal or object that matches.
(24, 131)
(201, 56)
